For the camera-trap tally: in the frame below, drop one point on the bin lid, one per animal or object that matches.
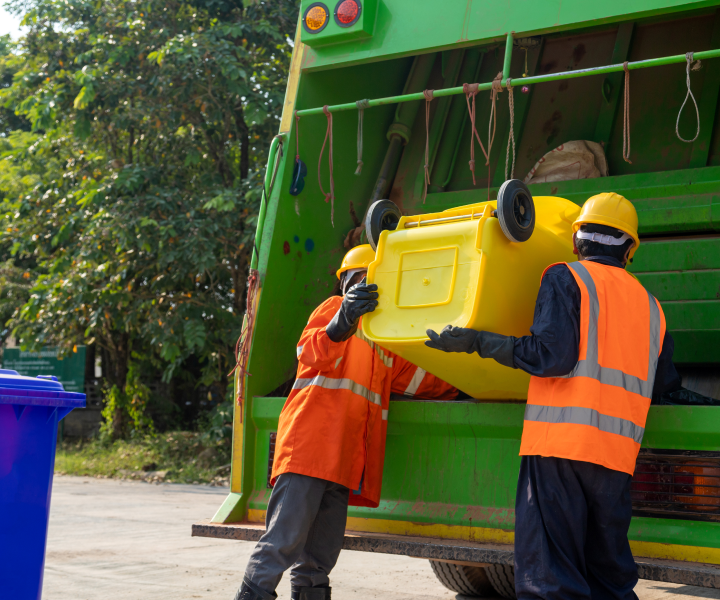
(43, 390)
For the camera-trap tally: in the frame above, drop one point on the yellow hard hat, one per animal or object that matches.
(357, 258)
(613, 210)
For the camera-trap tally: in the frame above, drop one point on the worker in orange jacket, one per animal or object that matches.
(330, 446)
(598, 353)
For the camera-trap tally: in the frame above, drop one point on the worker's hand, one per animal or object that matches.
(360, 299)
(485, 343)
(453, 339)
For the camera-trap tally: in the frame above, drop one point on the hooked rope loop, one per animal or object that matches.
(429, 94)
(329, 196)
(471, 90)
(362, 105)
(689, 61)
(626, 116)
(511, 140)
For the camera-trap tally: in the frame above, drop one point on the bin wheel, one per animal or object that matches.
(516, 210)
(382, 215)
(463, 579)
(502, 578)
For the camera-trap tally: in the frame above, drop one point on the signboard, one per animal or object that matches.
(70, 370)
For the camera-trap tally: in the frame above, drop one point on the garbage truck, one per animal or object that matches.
(432, 108)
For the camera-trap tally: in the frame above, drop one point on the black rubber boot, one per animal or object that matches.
(249, 591)
(310, 593)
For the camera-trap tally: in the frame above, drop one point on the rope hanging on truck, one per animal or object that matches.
(626, 116)
(362, 105)
(428, 99)
(511, 139)
(492, 125)
(329, 196)
(689, 59)
(471, 90)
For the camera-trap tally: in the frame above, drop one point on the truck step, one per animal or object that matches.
(462, 552)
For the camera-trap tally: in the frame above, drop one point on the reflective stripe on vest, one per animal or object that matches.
(387, 360)
(299, 351)
(591, 368)
(577, 415)
(339, 384)
(415, 382)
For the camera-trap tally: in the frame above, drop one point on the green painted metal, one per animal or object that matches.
(612, 85)
(405, 28)
(453, 91)
(275, 145)
(457, 463)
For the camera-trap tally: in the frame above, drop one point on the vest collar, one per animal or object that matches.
(606, 260)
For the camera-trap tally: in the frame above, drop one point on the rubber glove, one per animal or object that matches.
(359, 299)
(485, 343)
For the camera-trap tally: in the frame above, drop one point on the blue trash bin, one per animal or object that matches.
(30, 410)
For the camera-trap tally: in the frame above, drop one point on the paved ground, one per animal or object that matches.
(112, 540)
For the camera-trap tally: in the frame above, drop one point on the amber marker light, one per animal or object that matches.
(316, 17)
(347, 12)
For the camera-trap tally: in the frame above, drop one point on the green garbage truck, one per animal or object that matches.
(574, 97)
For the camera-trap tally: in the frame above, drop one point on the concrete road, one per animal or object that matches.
(112, 540)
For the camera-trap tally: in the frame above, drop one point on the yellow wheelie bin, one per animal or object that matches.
(476, 266)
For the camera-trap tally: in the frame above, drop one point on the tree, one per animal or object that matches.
(137, 190)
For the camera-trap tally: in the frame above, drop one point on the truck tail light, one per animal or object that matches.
(347, 12)
(677, 484)
(316, 17)
(700, 488)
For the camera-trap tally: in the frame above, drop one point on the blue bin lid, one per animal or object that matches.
(43, 390)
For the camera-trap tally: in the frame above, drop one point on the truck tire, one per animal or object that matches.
(463, 579)
(502, 578)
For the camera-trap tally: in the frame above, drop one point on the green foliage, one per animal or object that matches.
(178, 456)
(125, 412)
(131, 196)
(218, 424)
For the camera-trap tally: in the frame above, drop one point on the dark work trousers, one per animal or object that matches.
(305, 528)
(571, 524)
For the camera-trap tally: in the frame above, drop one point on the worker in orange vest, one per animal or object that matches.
(330, 445)
(598, 353)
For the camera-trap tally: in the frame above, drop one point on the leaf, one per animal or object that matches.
(86, 95)
(195, 334)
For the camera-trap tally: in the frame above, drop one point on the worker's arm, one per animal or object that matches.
(414, 382)
(552, 349)
(667, 379)
(332, 323)
(315, 349)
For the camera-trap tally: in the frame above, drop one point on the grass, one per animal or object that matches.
(178, 456)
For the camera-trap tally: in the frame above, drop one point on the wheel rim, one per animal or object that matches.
(522, 210)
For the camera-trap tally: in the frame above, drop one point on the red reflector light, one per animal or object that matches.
(347, 11)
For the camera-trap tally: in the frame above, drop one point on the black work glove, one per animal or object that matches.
(486, 344)
(360, 299)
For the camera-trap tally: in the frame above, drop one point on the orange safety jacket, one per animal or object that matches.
(597, 412)
(334, 422)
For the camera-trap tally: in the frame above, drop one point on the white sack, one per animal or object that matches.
(580, 159)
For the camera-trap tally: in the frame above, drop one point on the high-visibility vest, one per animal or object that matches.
(334, 423)
(597, 412)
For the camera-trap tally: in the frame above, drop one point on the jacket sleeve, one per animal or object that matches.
(667, 379)
(315, 349)
(552, 349)
(414, 382)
